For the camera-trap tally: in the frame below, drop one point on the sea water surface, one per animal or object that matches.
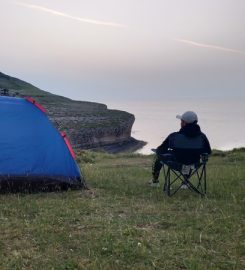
(221, 120)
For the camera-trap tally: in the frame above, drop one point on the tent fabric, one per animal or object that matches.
(31, 147)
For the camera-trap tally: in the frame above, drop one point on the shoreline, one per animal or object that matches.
(131, 145)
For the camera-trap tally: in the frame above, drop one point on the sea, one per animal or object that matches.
(222, 120)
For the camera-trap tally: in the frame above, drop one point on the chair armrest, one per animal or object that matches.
(204, 157)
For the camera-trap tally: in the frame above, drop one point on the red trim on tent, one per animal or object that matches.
(68, 144)
(36, 104)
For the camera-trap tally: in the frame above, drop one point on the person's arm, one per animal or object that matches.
(207, 148)
(163, 148)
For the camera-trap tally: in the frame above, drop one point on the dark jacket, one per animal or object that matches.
(187, 144)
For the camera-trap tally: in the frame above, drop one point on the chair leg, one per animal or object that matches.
(165, 179)
(198, 186)
(166, 186)
(202, 185)
(168, 182)
(204, 180)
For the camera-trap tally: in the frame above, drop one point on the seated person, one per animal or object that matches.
(189, 137)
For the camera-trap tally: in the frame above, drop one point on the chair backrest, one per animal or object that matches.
(187, 150)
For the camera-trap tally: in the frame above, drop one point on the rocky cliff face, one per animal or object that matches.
(87, 124)
(91, 126)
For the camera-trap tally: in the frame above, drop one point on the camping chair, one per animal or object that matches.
(190, 173)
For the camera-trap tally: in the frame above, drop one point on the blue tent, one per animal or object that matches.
(32, 151)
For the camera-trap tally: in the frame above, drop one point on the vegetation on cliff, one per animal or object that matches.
(121, 223)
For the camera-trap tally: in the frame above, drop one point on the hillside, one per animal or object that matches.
(123, 224)
(87, 124)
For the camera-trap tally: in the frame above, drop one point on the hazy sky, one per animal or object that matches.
(103, 50)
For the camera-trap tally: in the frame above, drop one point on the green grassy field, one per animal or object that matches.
(121, 223)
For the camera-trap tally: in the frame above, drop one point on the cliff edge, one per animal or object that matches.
(88, 125)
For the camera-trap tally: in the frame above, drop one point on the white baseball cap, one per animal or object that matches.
(188, 117)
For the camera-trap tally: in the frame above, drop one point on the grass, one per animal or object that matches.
(121, 223)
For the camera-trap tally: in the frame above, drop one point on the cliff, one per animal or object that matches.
(88, 125)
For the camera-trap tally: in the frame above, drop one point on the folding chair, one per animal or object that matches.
(178, 175)
(185, 165)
